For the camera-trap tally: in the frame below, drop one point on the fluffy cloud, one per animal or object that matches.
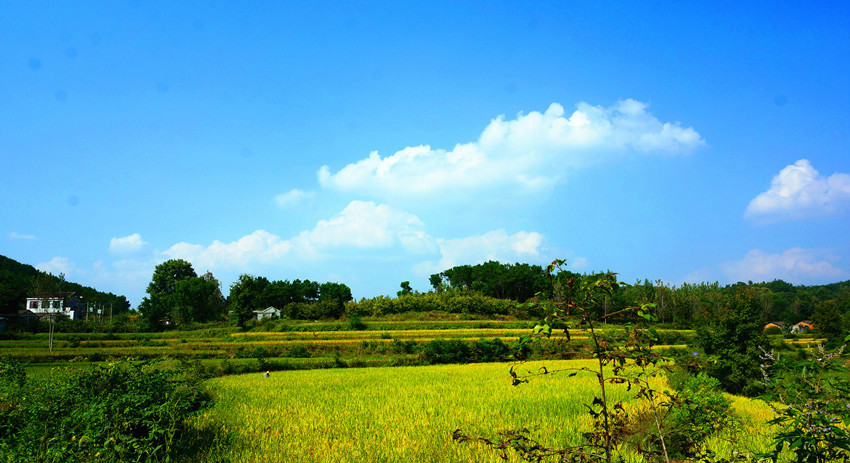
(57, 265)
(369, 230)
(800, 192)
(796, 265)
(127, 244)
(292, 198)
(494, 245)
(259, 246)
(361, 225)
(529, 153)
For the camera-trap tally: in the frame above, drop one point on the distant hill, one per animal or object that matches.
(16, 283)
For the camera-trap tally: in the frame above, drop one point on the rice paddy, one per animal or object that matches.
(400, 414)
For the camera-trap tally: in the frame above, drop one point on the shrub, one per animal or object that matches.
(494, 350)
(355, 322)
(120, 412)
(11, 372)
(812, 407)
(297, 352)
(446, 351)
(703, 411)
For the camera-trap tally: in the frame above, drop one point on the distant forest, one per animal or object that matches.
(16, 283)
(685, 305)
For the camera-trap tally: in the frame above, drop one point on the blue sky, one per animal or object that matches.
(374, 143)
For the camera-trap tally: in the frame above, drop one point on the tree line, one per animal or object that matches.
(687, 305)
(177, 296)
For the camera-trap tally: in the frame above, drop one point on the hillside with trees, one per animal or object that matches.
(17, 281)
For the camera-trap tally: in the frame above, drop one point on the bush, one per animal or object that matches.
(11, 373)
(494, 350)
(446, 351)
(120, 412)
(355, 322)
(814, 411)
(297, 352)
(703, 411)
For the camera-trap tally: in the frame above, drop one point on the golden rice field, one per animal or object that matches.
(403, 414)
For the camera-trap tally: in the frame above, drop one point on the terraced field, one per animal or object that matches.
(303, 344)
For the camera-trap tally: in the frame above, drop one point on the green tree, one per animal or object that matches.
(158, 306)
(336, 294)
(827, 320)
(197, 299)
(246, 295)
(735, 338)
(405, 289)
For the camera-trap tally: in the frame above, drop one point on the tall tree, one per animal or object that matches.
(158, 306)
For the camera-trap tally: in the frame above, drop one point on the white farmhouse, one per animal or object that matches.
(68, 305)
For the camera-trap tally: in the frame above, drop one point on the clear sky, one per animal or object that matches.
(370, 143)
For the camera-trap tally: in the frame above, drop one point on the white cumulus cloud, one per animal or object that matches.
(795, 265)
(360, 225)
(531, 152)
(800, 192)
(259, 246)
(292, 198)
(127, 244)
(363, 224)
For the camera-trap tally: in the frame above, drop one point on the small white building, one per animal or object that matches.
(268, 312)
(68, 305)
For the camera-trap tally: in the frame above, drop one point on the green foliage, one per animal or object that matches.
(828, 321)
(703, 411)
(177, 295)
(246, 296)
(300, 300)
(439, 351)
(405, 289)
(119, 412)
(518, 282)
(452, 301)
(811, 397)
(355, 322)
(735, 338)
(300, 352)
(446, 351)
(11, 373)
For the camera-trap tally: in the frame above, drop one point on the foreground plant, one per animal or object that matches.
(623, 357)
(811, 399)
(123, 411)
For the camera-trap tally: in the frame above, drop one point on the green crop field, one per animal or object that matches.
(408, 414)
